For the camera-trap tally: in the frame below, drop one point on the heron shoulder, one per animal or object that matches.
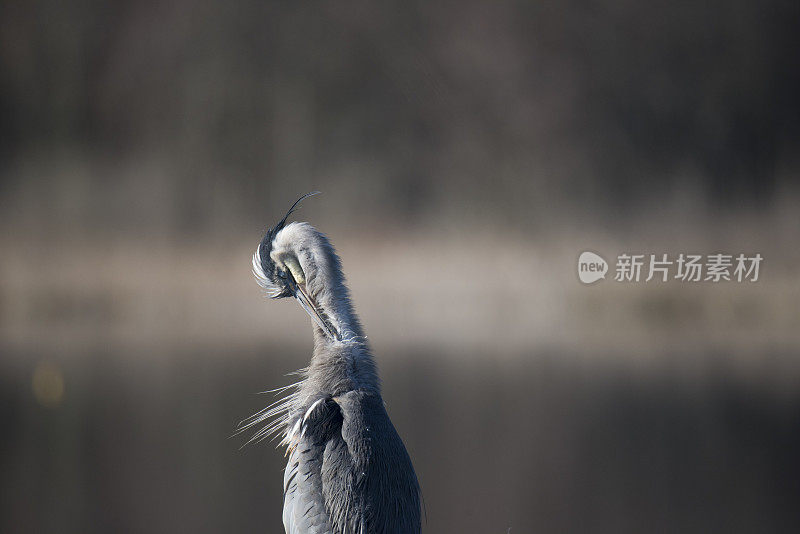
(371, 460)
(347, 458)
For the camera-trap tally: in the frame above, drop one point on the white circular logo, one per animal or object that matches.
(591, 267)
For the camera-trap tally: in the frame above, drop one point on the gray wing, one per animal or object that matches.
(348, 471)
(304, 509)
(303, 504)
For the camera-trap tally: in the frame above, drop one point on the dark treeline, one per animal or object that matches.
(419, 108)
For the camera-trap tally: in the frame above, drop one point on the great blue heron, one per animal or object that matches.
(348, 470)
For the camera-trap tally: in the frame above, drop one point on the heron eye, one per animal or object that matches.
(282, 274)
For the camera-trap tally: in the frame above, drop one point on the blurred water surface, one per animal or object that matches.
(542, 441)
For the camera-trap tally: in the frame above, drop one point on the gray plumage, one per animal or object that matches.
(348, 470)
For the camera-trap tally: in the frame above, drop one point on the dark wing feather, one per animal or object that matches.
(349, 472)
(303, 504)
(369, 464)
(304, 509)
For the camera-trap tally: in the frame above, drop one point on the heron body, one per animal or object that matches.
(348, 470)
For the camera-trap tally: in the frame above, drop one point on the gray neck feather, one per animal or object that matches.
(342, 365)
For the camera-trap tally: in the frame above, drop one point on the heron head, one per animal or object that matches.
(289, 261)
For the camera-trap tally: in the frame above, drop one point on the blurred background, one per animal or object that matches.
(468, 153)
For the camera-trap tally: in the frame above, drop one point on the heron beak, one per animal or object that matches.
(307, 303)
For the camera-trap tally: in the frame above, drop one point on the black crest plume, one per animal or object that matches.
(265, 247)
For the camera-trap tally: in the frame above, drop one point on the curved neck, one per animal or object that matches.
(337, 310)
(344, 364)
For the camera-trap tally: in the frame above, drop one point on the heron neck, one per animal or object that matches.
(345, 364)
(338, 311)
